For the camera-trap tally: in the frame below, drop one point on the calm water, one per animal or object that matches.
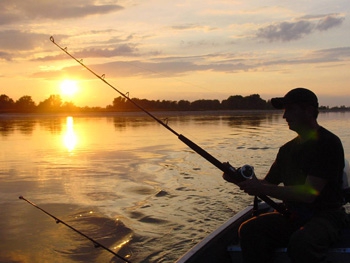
(127, 182)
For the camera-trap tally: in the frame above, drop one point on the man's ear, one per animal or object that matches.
(311, 112)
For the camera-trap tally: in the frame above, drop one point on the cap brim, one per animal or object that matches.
(278, 103)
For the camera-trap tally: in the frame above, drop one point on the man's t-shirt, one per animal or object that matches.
(321, 156)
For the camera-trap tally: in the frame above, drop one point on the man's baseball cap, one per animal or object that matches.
(299, 96)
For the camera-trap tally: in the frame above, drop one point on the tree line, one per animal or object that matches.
(237, 102)
(55, 104)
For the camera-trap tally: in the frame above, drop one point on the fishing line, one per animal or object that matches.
(238, 175)
(96, 244)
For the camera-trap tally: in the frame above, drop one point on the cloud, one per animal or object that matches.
(333, 54)
(118, 69)
(288, 31)
(173, 66)
(329, 22)
(19, 40)
(323, 58)
(120, 50)
(7, 18)
(185, 27)
(164, 67)
(199, 43)
(12, 11)
(285, 31)
(5, 56)
(192, 27)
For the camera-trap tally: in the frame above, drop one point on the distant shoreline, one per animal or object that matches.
(161, 113)
(55, 105)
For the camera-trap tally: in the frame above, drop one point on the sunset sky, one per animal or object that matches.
(172, 50)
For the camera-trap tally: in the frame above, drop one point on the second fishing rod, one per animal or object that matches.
(238, 175)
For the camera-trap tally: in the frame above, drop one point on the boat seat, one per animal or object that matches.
(339, 252)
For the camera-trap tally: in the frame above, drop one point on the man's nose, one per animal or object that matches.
(284, 114)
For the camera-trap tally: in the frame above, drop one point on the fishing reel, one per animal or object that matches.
(240, 174)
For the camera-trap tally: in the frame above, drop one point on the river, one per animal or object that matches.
(127, 182)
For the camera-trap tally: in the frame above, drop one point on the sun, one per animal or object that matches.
(68, 87)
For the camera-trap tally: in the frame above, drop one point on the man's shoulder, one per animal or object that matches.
(291, 143)
(328, 136)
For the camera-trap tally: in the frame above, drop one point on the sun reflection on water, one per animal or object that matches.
(70, 138)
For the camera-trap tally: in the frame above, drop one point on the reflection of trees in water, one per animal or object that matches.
(140, 119)
(6, 127)
(9, 126)
(26, 125)
(253, 120)
(54, 124)
(120, 123)
(232, 118)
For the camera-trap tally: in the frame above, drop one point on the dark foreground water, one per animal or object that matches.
(127, 182)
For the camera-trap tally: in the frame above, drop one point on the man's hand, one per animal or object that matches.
(246, 172)
(252, 186)
(231, 177)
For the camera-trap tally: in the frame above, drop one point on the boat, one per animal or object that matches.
(222, 245)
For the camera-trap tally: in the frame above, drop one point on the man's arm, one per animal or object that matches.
(306, 193)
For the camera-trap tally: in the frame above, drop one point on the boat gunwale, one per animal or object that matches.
(209, 238)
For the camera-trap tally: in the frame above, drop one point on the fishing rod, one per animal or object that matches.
(237, 175)
(96, 244)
